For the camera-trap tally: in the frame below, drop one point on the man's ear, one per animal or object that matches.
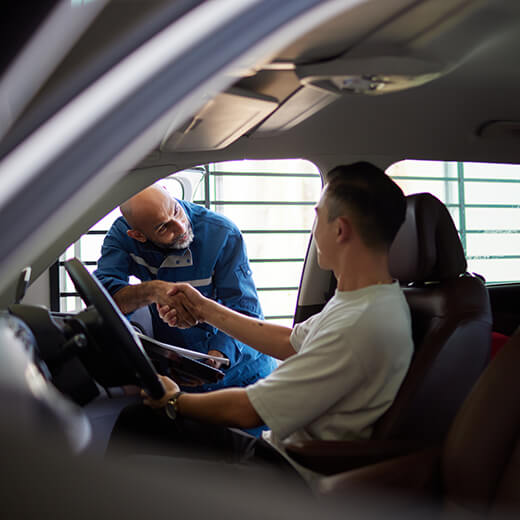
(343, 229)
(136, 235)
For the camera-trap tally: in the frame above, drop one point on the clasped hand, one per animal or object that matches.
(182, 306)
(183, 310)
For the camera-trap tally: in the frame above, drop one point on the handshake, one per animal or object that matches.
(180, 305)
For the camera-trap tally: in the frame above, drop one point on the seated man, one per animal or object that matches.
(161, 240)
(341, 369)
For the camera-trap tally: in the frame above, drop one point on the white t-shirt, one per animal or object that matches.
(350, 360)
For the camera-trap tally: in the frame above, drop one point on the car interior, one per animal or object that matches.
(101, 99)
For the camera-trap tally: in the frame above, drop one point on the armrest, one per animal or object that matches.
(329, 457)
(414, 477)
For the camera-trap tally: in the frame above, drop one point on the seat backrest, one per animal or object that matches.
(475, 473)
(142, 319)
(480, 459)
(451, 320)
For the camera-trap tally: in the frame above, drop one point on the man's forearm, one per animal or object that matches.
(133, 297)
(230, 407)
(268, 338)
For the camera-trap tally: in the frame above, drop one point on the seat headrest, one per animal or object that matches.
(427, 247)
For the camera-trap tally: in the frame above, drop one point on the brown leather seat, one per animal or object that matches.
(476, 472)
(451, 320)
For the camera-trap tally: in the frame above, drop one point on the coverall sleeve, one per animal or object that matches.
(115, 264)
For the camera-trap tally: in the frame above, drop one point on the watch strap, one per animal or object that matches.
(172, 406)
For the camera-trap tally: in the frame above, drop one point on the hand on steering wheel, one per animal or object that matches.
(126, 345)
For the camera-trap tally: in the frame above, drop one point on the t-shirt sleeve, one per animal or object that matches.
(300, 331)
(307, 384)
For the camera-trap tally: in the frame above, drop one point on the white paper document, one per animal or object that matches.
(188, 353)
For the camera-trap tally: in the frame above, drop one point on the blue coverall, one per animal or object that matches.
(216, 264)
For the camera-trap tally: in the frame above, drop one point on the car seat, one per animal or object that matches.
(475, 473)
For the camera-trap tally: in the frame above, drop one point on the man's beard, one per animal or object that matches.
(181, 242)
(187, 239)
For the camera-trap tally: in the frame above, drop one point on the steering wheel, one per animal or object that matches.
(126, 344)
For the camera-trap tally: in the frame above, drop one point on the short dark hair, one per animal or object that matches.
(374, 202)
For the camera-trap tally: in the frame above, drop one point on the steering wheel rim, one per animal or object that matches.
(128, 344)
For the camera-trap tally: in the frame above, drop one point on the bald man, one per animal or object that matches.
(160, 240)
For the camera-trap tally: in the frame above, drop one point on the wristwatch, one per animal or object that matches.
(172, 407)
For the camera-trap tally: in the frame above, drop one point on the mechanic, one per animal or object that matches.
(341, 369)
(161, 240)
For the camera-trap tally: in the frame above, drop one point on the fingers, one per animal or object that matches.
(176, 287)
(190, 304)
(213, 362)
(186, 300)
(191, 298)
(184, 316)
(167, 314)
(152, 403)
(170, 387)
(130, 389)
(171, 305)
(176, 315)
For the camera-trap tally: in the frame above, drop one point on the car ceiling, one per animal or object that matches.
(471, 47)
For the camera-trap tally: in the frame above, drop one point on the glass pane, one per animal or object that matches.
(446, 191)
(277, 274)
(411, 168)
(491, 171)
(173, 186)
(504, 270)
(275, 166)
(278, 303)
(276, 245)
(493, 244)
(493, 218)
(268, 217)
(105, 223)
(91, 247)
(492, 193)
(271, 189)
(71, 304)
(288, 322)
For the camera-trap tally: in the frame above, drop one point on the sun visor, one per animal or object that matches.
(305, 102)
(221, 121)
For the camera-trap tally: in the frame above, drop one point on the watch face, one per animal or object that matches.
(170, 410)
